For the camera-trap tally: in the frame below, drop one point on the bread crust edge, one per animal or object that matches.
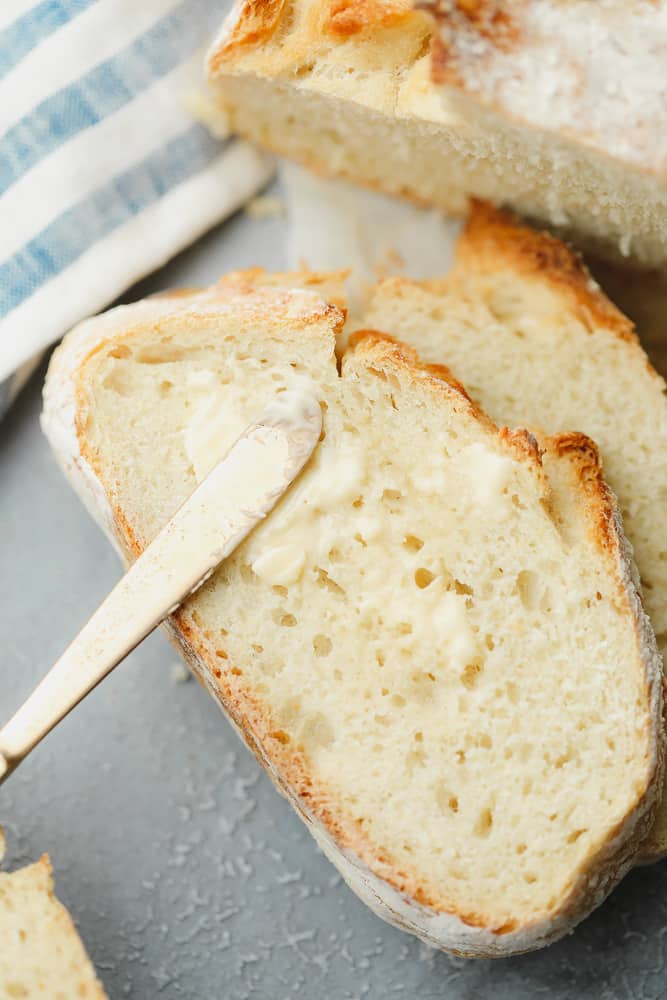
(464, 934)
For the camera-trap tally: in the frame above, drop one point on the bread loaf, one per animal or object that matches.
(434, 643)
(558, 110)
(41, 954)
(521, 322)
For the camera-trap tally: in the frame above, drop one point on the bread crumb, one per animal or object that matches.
(179, 674)
(265, 207)
(207, 113)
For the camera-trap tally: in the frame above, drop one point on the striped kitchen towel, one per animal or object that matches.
(104, 173)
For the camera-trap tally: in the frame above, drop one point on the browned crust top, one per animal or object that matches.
(488, 19)
(493, 237)
(350, 17)
(599, 501)
(257, 21)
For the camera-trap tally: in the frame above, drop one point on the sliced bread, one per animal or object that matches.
(555, 109)
(434, 643)
(521, 322)
(41, 954)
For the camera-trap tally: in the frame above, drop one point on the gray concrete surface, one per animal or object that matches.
(188, 876)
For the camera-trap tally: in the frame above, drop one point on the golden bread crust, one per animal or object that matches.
(273, 747)
(493, 236)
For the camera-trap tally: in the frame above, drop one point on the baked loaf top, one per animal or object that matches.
(594, 70)
(597, 70)
(41, 953)
(434, 643)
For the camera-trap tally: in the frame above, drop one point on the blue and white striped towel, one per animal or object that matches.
(104, 174)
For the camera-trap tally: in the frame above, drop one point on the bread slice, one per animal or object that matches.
(567, 125)
(41, 953)
(522, 324)
(434, 643)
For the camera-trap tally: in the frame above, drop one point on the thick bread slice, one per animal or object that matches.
(537, 344)
(556, 109)
(41, 954)
(434, 643)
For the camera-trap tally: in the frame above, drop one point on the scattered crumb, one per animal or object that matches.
(204, 109)
(3, 843)
(265, 207)
(180, 674)
(392, 262)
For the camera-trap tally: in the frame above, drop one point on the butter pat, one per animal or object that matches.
(450, 623)
(281, 565)
(488, 472)
(216, 422)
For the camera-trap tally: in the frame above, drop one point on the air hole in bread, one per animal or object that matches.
(512, 692)
(289, 712)
(392, 500)
(162, 353)
(116, 381)
(423, 577)
(415, 760)
(484, 823)
(322, 645)
(316, 732)
(471, 673)
(324, 580)
(121, 353)
(528, 589)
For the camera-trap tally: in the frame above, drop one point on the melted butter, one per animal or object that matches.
(282, 564)
(217, 420)
(306, 527)
(488, 472)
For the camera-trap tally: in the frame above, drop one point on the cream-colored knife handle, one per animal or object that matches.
(223, 509)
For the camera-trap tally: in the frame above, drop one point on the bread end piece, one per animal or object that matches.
(41, 951)
(345, 87)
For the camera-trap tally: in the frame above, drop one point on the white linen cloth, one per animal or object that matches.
(104, 173)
